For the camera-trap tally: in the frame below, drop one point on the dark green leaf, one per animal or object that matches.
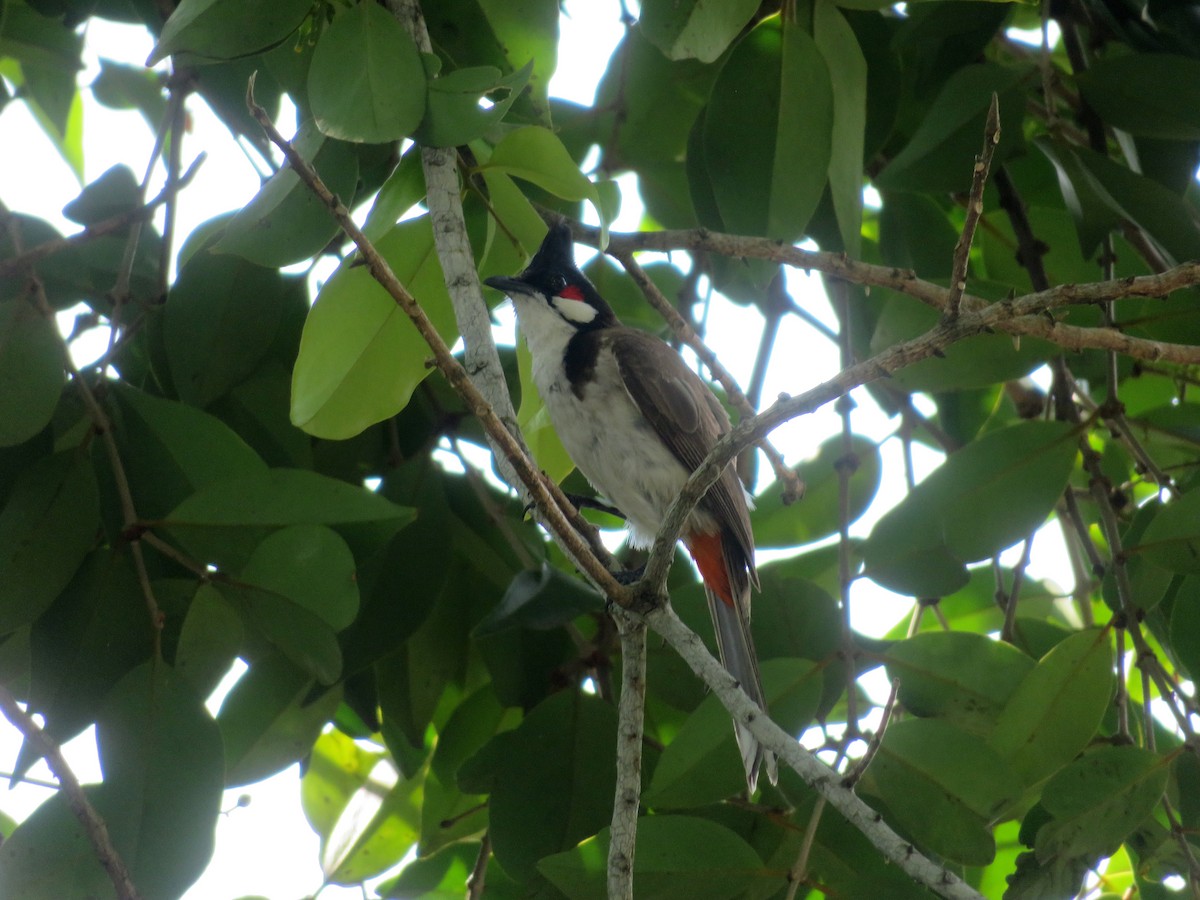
(170, 450)
(920, 547)
(268, 721)
(774, 94)
(119, 86)
(222, 315)
(113, 193)
(31, 371)
(366, 82)
(227, 29)
(940, 154)
(1172, 540)
(943, 785)
(1098, 799)
(311, 566)
(676, 857)
(1055, 710)
(554, 782)
(208, 642)
(840, 48)
(286, 222)
(693, 29)
(541, 599)
(46, 529)
(1126, 92)
(1185, 625)
(956, 675)
(223, 521)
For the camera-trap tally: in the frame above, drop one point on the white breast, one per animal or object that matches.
(605, 434)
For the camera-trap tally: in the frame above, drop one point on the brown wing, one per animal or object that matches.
(688, 418)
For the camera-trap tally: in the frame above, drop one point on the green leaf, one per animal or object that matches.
(453, 115)
(1185, 625)
(162, 762)
(442, 876)
(1056, 709)
(208, 642)
(163, 766)
(475, 721)
(119, 86)
(1172, 539)
(360, 355)
(366, 82)
(1126, 92)
(943, 785)
(286, 222)
(1099, 799)
(921, 546)
(768, 132)
(337, 768)
(536, 154)
(47, 528)
(31, 371)
(224, 521)
(379, 830)
(115, 192)
(693, 29)
(541, 599)
(170, 450)
(676, 857)
(270, 719)
(848, 74)
(311, 566)
(962, 677)
(702, 764)
(403, 190)
(815, 516)
(939, 156)
(554, 780)
(92, 635)
(221, 318)
(227, 29)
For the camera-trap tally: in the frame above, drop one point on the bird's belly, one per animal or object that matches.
(619, 452)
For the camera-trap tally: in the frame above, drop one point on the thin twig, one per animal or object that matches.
(631, 711)
(861, 766)
(962, 249)
(1010, 601)
(93, 824)
(799, 872)
(477, 879)
(1121, 700)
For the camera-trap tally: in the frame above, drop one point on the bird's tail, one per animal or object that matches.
(736, 648)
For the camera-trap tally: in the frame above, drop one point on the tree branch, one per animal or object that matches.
(824, 780)
(93, 824)
(630, 724)
(962, 249)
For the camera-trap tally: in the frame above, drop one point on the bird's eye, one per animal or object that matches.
(557, 283)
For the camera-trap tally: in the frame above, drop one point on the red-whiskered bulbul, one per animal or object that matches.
(637, 422)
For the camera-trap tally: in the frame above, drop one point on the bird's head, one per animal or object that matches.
(552, 284)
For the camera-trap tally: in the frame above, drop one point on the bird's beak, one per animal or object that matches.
(506, 284)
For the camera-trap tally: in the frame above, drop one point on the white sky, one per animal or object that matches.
(267, 848)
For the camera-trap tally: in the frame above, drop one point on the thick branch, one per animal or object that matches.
(93, 824)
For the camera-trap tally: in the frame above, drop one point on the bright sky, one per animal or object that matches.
(266, 847)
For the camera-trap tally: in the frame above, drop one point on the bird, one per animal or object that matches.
(637, 421)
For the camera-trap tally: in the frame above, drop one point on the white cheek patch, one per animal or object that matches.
(574, 310)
